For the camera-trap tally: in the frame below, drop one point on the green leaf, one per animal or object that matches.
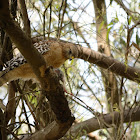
(129, 20)
(108, 31)
(111, 23)
(101, 25)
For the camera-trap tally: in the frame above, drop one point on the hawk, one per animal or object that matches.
(54, 52)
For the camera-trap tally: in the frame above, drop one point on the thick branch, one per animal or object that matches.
(47, 133)
(109, 63)
(107, 119)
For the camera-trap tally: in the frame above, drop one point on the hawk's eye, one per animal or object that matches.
(70, 52)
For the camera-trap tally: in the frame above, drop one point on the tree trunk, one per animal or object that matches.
(109, 80)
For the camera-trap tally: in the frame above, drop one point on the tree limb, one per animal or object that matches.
(26, 20)
(106, 119)
(109, 63)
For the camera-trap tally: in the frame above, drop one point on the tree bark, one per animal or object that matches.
(103, 121)
(109, 79)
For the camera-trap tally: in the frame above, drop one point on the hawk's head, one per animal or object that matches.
(70, 51)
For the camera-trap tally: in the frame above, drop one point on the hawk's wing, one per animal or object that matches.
(18, 60)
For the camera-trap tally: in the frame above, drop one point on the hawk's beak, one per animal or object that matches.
(72, 57)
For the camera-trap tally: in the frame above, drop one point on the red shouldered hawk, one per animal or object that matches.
(54, 52)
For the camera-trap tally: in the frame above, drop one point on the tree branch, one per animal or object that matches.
(128, 11)
(109, 63)
(26, 20)
(11, 105)
(107, 119)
